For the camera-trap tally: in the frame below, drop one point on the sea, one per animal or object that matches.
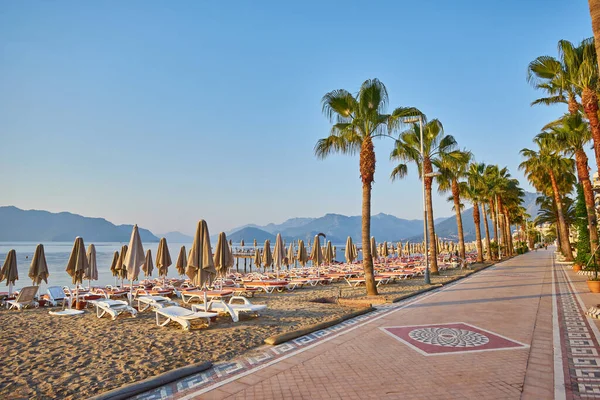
(57, 256)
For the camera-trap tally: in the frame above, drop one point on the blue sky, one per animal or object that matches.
(161, 113)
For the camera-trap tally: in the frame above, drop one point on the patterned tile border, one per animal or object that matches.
(579, 344)
(264, 356)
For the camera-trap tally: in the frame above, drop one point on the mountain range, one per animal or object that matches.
(44, 226)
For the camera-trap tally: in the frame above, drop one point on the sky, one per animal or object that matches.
(162, 113)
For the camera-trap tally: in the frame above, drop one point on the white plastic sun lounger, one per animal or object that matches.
(113, 307)
(57, 295)
(146, 301)
(25, 298)
(181, 315)
(231, 308)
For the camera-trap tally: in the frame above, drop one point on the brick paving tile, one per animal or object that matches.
(490, 336)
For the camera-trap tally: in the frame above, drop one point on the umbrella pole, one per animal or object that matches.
(10, 288)
(77, 296)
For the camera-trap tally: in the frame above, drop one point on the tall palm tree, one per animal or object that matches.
(452, 169)
(595, 14)
(545, 165)
(356, 122)
(571, 79)
(435, 145)
(570, 134)
(475, 193)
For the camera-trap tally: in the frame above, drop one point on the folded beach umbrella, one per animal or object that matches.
(91, 273)
(9, 271)
(374, 248)
(148, 266)
(399, 249)
(201, 265)
(242, 243)
(328, 255)
(334, 253)
(278, 254)
(113, 266)
(316, 255)
(181, 262)
(254, 242)
(302, 255)
(257, 259)
(135, 256)
(121, 269)
(77, 264)
(349, 251)
(223, 256)
(290, 255)
(163, 258)
(38, 271)
(267, 256)
(385, 250)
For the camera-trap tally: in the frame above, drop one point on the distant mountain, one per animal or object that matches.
(248, 234)
(43, 226)
(176, 237)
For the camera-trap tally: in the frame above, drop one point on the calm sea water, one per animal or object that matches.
(57, 256)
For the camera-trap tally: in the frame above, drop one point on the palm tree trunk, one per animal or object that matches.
(562, 226)
(583, 175)
(461, 235)
(487, 232)
(509, 241)
(367, 172)
(493, 215)
(595, 14)
(477, 222)
(589, 100)
(433, 266)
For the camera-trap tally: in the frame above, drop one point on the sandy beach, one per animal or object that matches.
(57, 357)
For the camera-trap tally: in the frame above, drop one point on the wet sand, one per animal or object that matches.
(45, 356)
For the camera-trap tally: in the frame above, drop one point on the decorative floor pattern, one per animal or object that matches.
(579, 345)
(450, 338)
(265, 355)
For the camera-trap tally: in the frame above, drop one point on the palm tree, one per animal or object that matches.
(571, 79)
(452, 169)
(474, 192)
(356, 121)
(595, 14)
(545, 165)
(570, 134)
(436, 144)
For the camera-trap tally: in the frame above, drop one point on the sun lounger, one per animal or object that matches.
(25, 298)
(181, 315)
(189, 295)
(267, 286)
(56, 295)
(113, 307)
(145, 302)
(233, 307)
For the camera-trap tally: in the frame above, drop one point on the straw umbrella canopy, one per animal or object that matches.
(223, 256)
(9, 271)
(148, 266)
(290, 255)
(386, 250)
(374, 248)
(278, 253)
(257, 259)
(121, 269)
(181, 261)
(201, 265)
(267, 256)
(399, 249)
(302, 255)
(316, 255)
(91, 273)
(38, 271)
(328, 253)
(163, 258)
(77, 265)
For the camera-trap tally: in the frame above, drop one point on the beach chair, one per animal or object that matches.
(56, 295)
(232, 308)
(26, 297)
(181, 315)
(113, 308)
(145, 302)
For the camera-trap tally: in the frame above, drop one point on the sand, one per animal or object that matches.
(44, 356)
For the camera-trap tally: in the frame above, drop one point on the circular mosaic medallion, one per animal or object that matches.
(448, 337)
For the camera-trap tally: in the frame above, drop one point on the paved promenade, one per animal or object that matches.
(515, 330)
